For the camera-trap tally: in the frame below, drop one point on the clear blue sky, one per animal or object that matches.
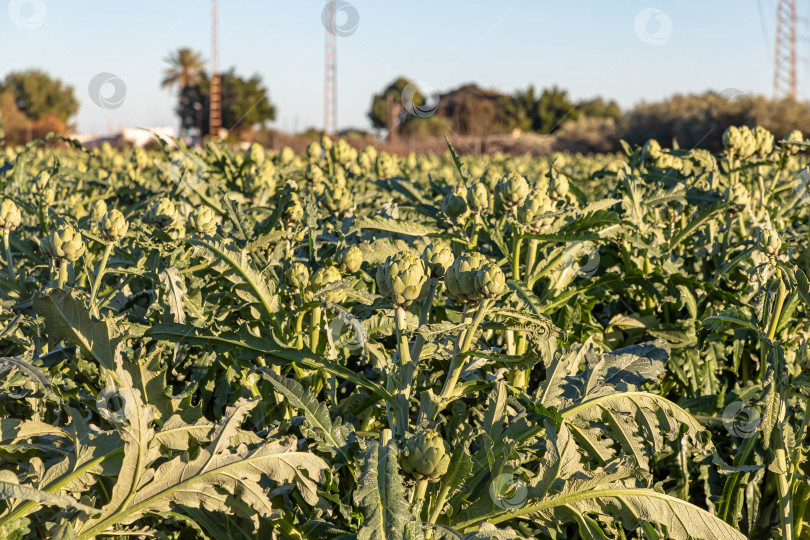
(589, 47)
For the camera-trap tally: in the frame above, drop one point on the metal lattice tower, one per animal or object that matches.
(215, 112)
(330, 93)
(784, 75)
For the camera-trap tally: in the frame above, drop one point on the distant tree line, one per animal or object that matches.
(33, 104)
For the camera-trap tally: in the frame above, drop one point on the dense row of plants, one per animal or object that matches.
(341, 344)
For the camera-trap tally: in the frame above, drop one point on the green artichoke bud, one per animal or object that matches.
(732, 139)
(557, 186)
(426, 456)
(794, 136)
(341, 151)
(764, 141)
(455, 205)
(460, 278)
(255, 153)
(293, 212)
(511, 191)
(438, 256)
(10, 216)
(535, 205)
(402, 278)
(297, 276)
(490, 179)
(286, 156)
(350, 260)
(768, 242)
(337, 199)
(326, 143)
(314, 176)
(478, 198)
(737, 194)
(63, 243)
(748, 144)
(161, 214)
(314, 150)
(326, 276)
(98, 210)
(203, 221)
(113, 226)
(490, 281)
(651, 151)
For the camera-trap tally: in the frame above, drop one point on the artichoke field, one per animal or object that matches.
(351, 344)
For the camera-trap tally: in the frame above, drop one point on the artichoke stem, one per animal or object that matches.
(63, 273)
(421, 489)
(314, 328)
(783, 488)
(516, 243)
(457, 364)
(424, 317)
(531, 259)
(437, 508)
(9, 258)
(299, 331)
(99, 274)
(406, 370)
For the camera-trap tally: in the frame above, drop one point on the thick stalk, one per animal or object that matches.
(424, 317)
(406, 368)
(777, 308)
(531, 259)
(442, 498)
(63, 273)
(314, 329)
(99, 274)
(783, 487)
(516, 243)
(299, 331)
(9, 258)
(457, 364)
(421, 489)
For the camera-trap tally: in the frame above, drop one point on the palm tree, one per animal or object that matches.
(185, 72)
(185, 69)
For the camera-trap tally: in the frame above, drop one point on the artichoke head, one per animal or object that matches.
(402, 278)
(426, 456)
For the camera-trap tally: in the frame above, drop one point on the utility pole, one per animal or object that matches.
(215, 112)
(784, 74)
(330, 96)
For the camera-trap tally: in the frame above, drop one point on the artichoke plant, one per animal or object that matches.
(426, 456)
(737, 195)
(438, 256)
(296, 276)
(511, 191)
(162, 214)
(324, 277)
(402, 278)
(349, 260)
(10, 216)
(535, 205)
(557, 186)
(63, 243)
(203, 221)
(490, 281)
(455, 206)
(460, 278)
(768, 242)
(113, 226)
(337, 199)
(478, 198)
